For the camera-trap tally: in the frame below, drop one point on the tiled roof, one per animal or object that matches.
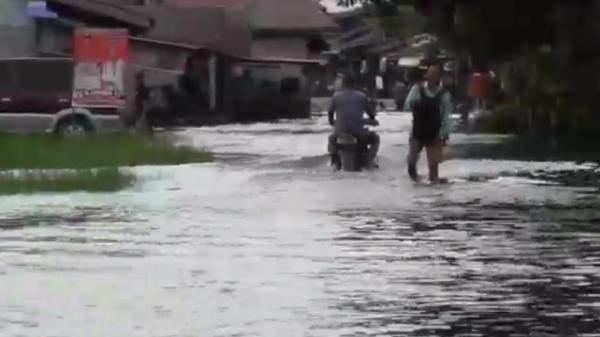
(305, 15)
(300, 15)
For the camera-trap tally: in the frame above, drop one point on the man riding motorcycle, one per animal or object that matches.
(349, 106)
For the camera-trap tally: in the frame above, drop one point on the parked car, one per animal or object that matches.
(35, 96)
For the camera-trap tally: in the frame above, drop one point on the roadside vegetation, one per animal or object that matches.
(33, 181)
(44, 163)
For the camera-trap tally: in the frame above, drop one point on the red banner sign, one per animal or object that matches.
(100, 56)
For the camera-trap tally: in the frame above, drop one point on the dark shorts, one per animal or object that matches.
(433, 149)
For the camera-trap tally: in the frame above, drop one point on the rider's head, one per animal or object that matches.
(433, 75)
(349, 82)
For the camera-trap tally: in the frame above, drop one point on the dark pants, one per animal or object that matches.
(434, 157)
(370, 138)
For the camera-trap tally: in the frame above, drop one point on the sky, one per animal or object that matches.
(332, 5)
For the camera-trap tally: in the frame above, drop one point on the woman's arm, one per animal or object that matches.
(447, 111)
(413, 97)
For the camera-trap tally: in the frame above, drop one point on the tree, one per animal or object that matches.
(489, 29)
(551, 43)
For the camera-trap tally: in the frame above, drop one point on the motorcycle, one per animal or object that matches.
(353, 152)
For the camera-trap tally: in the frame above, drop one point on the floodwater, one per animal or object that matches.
(269, 242)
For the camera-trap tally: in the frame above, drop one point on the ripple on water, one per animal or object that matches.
(269, 242)
(479, 274)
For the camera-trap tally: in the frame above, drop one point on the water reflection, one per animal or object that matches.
(517, 274)
(73, 216)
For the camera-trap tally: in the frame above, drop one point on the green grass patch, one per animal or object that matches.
(45, 163)
(89, 180)
(49, 152)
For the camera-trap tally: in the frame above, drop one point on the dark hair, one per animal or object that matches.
(348, 82)
(436, 65)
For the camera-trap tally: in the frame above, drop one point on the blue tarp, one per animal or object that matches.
(38, 9)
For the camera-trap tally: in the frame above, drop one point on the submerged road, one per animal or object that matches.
(269, 242)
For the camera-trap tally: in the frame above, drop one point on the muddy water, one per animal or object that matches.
(268, 241)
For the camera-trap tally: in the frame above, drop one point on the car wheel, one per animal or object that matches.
(74, 127)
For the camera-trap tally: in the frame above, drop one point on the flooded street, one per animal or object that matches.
(268, 242)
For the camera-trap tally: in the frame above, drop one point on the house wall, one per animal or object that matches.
(16, 41)
(280, 47)
(16, 29)
(53, 39)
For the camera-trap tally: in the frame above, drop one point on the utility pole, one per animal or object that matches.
(16, 29)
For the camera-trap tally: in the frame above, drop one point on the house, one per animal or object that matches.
(209, 48)
(295, 31)
(291, 29)
(280, 29)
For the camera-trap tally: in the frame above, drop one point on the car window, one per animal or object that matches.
(36, 75)
(6, 78)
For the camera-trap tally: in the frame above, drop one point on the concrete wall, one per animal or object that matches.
(16, 29)
(54, 40)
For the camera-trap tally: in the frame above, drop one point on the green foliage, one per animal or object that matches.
(48, 152)
(549, 44)
(35, 181)
(495, 30)
(491, 29)
(43, 163)
(505, 119)
(402, 22)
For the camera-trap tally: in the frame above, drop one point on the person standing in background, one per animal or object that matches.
(431, 106)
